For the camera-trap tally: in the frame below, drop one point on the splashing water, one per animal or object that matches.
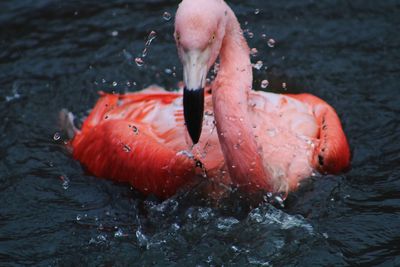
(140, 60)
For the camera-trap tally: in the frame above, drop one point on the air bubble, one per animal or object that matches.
(114, 84)
(257, 11)
(114, 33)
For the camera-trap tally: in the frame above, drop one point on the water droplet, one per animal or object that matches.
(175, 226)
(103, 80)
(271, 42)
(78, 217)
(250, 34)
(114, 33)
(119, 233)
(135, 130)
(126, 148)
(167, 16)
(142, 239)
(284, 86)
(264, 36)
(56, 136)
(253, 52)
(65, 181)
(258, 65)
(101, 238)
(150, 38)
(257, 11)
(271, 132)
(325, 235)
(264, 84)
(139, 61)
(279, 199)
(168, 71)
(233, 166)
(208, 113)
(114, 84)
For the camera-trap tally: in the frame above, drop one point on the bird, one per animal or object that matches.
(221, 131)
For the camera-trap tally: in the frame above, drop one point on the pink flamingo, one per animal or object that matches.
(253, 140)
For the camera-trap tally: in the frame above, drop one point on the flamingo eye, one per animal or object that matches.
(177, 37)
(212, 38)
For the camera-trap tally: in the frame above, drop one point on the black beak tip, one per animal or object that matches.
(193, 109)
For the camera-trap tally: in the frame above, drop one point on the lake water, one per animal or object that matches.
(58, 54)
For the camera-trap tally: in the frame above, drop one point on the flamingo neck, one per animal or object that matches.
(230, 102)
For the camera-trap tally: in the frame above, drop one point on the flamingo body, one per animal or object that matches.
(141, 138)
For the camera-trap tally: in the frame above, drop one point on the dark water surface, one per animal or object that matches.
(56, 54)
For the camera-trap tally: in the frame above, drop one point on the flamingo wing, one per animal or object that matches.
(116, 141)
(332, 155)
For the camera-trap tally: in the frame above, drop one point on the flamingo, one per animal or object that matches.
(258, 141)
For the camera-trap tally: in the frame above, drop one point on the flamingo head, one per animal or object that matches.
(199, 32)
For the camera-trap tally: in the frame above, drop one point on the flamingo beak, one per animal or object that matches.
(194, 74)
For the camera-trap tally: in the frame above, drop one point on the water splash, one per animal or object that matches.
(141, 238)
(140, 60)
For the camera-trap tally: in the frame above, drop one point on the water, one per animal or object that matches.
(58, 54)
